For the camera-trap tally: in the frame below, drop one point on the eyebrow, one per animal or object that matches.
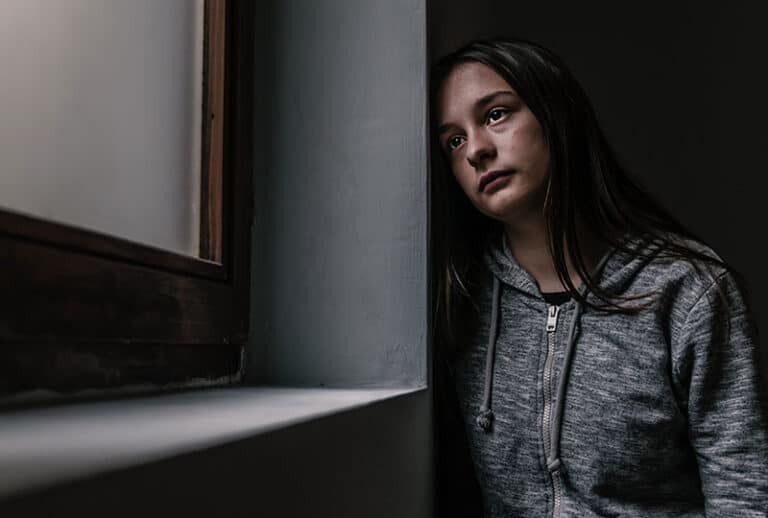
(477, 104)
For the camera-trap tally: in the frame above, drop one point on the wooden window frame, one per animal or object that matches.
(82, 309)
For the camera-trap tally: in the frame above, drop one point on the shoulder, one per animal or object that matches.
(679, 267)
(683, 276)
(699, 270)
(705, 302)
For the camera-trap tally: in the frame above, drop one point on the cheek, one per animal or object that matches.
(540, 147)
(535, 153)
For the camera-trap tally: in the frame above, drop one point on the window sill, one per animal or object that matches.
(42, 447)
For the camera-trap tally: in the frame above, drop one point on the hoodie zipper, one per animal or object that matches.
(552, 314)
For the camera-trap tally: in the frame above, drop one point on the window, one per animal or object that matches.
(87, 308)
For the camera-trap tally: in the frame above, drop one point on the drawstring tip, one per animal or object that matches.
(485, 419)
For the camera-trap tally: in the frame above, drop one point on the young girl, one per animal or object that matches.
(601, 360)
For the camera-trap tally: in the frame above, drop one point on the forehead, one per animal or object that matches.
(464, 85)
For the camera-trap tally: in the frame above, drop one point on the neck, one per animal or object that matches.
(528, 243)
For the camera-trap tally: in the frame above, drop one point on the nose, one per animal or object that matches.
(480, 149)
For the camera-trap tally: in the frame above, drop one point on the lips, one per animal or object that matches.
(490, 176)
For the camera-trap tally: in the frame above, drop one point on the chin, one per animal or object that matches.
(510, 212)
(503, 207)
(503, 214)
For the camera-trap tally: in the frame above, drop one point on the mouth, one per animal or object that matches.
(490, 176)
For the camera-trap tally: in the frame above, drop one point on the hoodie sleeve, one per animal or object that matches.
(727, 408)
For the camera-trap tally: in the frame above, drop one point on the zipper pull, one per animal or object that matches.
(552, 318)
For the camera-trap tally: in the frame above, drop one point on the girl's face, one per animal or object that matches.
(495, 145)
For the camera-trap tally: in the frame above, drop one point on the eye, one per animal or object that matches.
(454, 142)
(497, 114)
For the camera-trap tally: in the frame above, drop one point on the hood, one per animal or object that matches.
(614, 272)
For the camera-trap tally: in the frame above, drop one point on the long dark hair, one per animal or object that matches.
(586, 183)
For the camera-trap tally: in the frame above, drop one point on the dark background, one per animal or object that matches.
(680, 90)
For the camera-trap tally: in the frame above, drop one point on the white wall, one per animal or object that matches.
(339, 243)
(101, 115)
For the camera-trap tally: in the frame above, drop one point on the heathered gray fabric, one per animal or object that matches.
(664, 411)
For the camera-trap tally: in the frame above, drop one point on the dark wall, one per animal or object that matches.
(679, 88)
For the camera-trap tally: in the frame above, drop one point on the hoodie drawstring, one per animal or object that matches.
(553, 462)
(485, 418)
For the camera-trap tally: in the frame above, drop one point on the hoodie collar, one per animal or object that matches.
(619, 267)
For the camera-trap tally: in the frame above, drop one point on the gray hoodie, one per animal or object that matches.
(571, 412)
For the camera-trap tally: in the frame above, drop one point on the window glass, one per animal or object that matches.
(102, 114)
